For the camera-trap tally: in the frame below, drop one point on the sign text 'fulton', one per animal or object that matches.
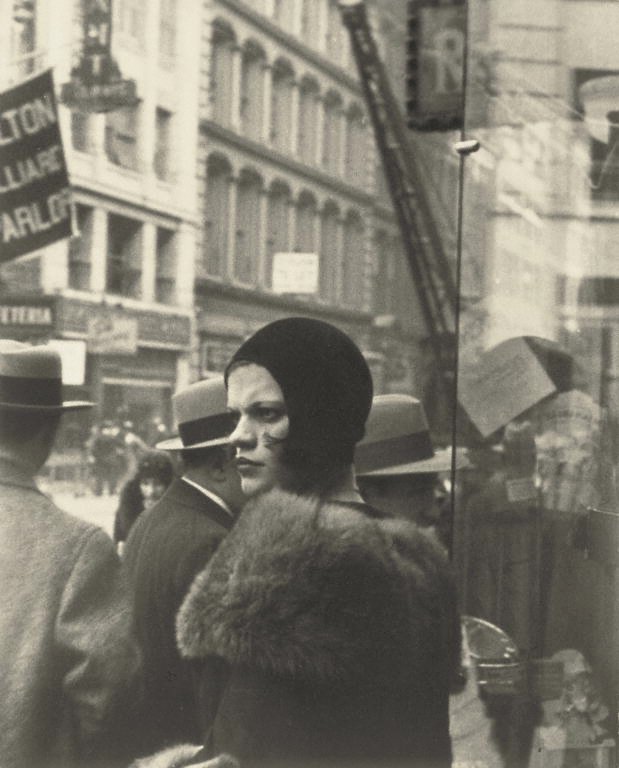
(35, 198)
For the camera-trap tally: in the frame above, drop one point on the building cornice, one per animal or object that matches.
(292, 43)
(206, 285)
(286, 163)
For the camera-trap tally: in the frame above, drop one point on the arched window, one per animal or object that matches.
(216, 215)
(353, 263)
(335, 30)
(306, 223)
(252, 90)
(331, 132)
(308, 119)
(247, 228)
(277, 225)
(220, 95)
(355, 146)
(329, 256)
(309, 21)
(281, 105)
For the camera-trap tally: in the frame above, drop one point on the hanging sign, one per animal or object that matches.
(295, 272)
(35, 199)
(96, 84)
(112, 335)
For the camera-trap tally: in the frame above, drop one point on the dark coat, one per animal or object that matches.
(168, 545)
(339, 634)
(68, 667)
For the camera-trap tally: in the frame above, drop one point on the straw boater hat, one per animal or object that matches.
(201, 415)
(31, 380)
(397, 441)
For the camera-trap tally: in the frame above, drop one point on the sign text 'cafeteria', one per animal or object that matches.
(35, 197)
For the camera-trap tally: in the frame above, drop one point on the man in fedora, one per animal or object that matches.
(170, 544)
(396, 464)
(68, 667)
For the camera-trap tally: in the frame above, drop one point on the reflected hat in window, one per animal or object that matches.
(31, 379)
(201, 416)
(397, 441)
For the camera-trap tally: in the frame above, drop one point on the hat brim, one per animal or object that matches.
(176, 444)
(440, 462)
(69, 405)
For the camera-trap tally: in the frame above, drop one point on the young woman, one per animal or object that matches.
(153, 474)
(324, 632)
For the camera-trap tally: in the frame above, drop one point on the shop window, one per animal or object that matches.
(220, 93)
(247, 228)
(252, 91)
(216, 215)
(165, 279)
(163, 143)
(124, 267)
(331, 133)
(308, 118)
(329, 252)
(353, 261)
(281, 106)
(168, 12)
(80, 248)
(79, 130)
(277, 226)
(121, 137)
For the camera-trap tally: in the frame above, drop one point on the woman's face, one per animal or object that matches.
(152, 490)
(262, 423)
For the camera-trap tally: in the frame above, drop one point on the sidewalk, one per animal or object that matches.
(99, 510)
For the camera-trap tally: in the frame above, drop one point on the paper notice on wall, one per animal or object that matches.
(507, 380)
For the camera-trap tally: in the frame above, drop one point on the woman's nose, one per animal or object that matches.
(242, 434)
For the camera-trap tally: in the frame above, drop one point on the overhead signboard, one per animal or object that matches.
(35, 197)
(295, 272)
(435, 61)
(96, 84)
(112, 335)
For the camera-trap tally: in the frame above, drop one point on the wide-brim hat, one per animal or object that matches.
(397, 441)
(201, 416)
(31, 380)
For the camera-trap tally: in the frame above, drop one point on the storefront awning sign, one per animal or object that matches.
(109, 335)
(295, 272)
(35, 197)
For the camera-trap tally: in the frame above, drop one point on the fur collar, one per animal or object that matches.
(317, 591)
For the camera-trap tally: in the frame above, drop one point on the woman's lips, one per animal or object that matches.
(247, 466)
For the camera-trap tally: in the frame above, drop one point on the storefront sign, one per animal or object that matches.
(35, 198)
(436, 48)
(112, 335)
(170, 331)
(295, 272)
(73, 356)
(96, 84)
(32, 314)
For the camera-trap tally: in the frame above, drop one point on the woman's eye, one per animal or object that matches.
(269, 414)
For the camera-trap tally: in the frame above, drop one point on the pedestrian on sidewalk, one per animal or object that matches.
(68, 669)
(321, 630)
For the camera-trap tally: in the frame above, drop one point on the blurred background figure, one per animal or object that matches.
(398, 469)
(153, 475)
(104, 457)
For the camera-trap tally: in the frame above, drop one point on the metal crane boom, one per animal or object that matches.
(430, 267)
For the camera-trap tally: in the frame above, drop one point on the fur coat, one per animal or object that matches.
(337, 633)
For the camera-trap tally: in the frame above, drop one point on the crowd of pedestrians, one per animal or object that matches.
(284, 599)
